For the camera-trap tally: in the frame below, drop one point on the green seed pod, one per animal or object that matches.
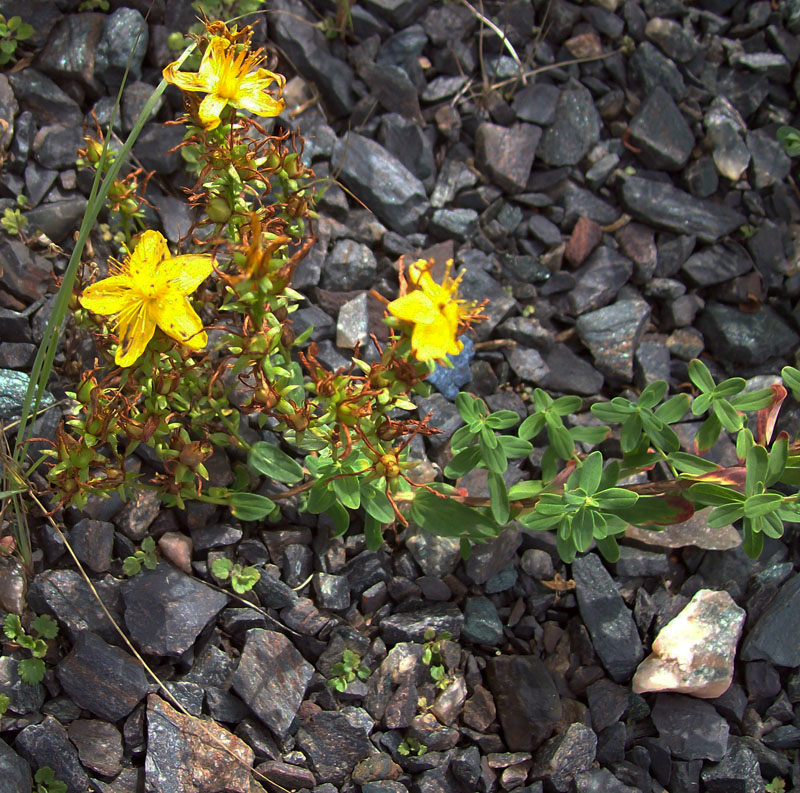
(218, 210)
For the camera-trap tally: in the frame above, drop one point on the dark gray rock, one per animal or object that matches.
(528, 704)
(543, 230)
(272, 678)
(406, 140)
(56, 146)
(71, 49)
(23, 698)
(58, 219)
(747, 339)
(38, 182)
(745, 91)
(334, 744)
(570, 374)
(47, 744)
(769, 163)
(135, 97)
(738, 770)
(398, 13)
(93, 543)
(650, 68)
(482, 624)
(691, 728)
(349, 266)
(613, 333)
(661, 132)
(410, 625)
(669, 208)
(537, 103)
(380, 180)
(457, 224)
(489, 559)
(14, 771)
(527, 364)
(725, 129)
(574, 131)
(478, 285)
(393, 89)
(672, 39)
(601, 780)
(8, 110)
(506, 154)
(296, 34)
(44, 99)
(717, 264)
(165, 609)
(102, 679)
(771, 638)
(701, 177)
(599, 280)
(564, 756)
(99, 745)
(123, 45)
(67, 597)
(607, 618)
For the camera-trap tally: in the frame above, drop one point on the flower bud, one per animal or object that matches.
(218, 210)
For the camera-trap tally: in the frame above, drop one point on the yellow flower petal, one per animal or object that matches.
(209, 110)
(184, 273)
(186, 81)
(150, 251)
(253, 95)
(136, 328)
(176, 317)
(434, 340)
(414, 307)
(109, 296)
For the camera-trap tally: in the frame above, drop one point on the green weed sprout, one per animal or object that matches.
(12, 31)
(46, 782)
(347, 670)
(31, 670)
(145, 556)
(243, 579)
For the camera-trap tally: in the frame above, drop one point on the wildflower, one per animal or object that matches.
(435, 310)
(227, 76)
(150, 288)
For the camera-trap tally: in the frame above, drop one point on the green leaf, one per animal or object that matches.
(727, 415)
(593, 435)
(725, 515)
(320, 497)
(583, 524)
(778, 456)
(8, 46)
(24, 31)
(376, 503)
(131, 566)
(631, 432)
(752, 542)
(772, 525)
(712, 495)
(340, 518)
(566, 548)
(462, 437)
(708, 433)
(560, 441)
(45, 626)
(662, 435)
(221, 568)
(347, 491)
(615, 411)
(532, 426)
(744, 442)
(754, 400)
(31, 670)
(789, 138)
(269, 460)
(463, 462)
(502, 419)
(762, 504)
(549, 464)
(250, 506)
(700, 404)
(791, 379)
(729, 387)
(488, 438)
(610, 475)
(526, 489)
(691, 463)
(590, 472)
(12, 626)
(653, 394)
(467, 407)
(674, 409)
(700, 376)
(515, 447)
(494, 457)
(498, 498)
(245, 579)
(566, 405)
(608, 548)
(757, 465)
(448, 518)
(615, 498)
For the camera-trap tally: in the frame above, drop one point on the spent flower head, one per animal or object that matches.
(229, 73)
(150, 288)
(435, 310)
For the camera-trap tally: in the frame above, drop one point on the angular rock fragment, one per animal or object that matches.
(693, 653)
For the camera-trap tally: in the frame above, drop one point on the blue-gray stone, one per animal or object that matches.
(124, 41)
(482, 623)
(448, 380)
(14, 771)
(12, 393)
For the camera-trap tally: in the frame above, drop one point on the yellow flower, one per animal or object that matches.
(150, 288)
(228, 76)
(434, 309)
